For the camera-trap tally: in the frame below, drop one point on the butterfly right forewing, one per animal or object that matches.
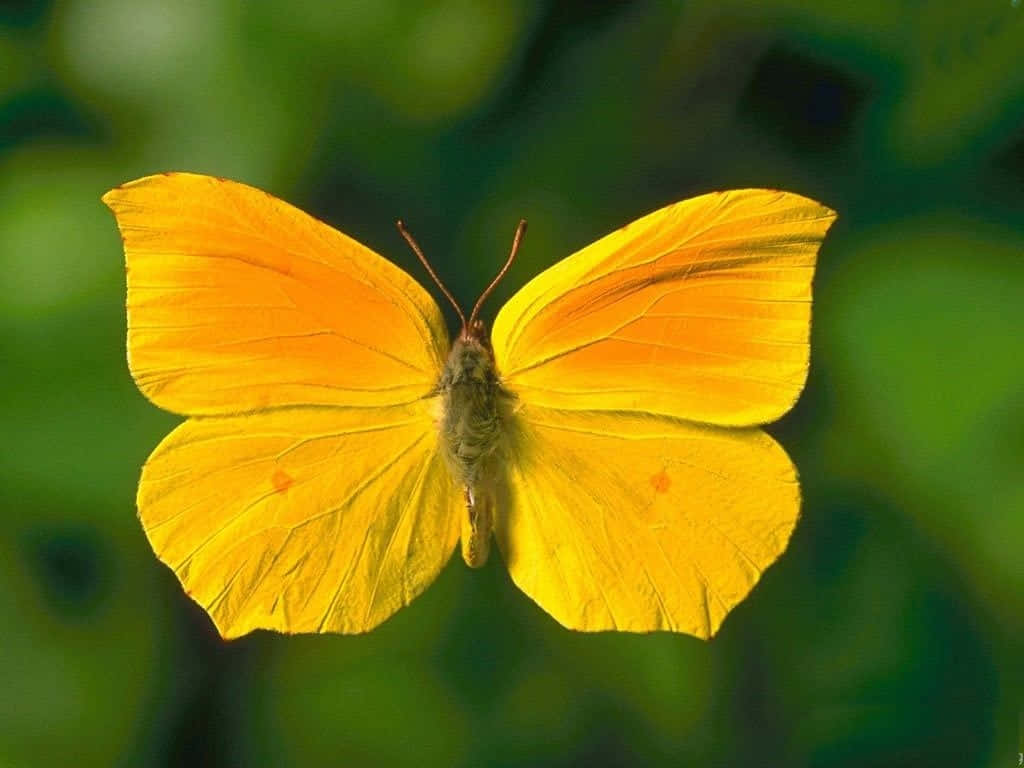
(700, 311)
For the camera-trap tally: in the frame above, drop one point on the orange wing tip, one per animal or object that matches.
(117, 199)
(118, 193)
(824, 212)
(112, 197)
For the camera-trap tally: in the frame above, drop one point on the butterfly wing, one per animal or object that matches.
(238, 301)
(700, 311)
(309, 497)
(628, 503)
(627, 522)
(302, 520)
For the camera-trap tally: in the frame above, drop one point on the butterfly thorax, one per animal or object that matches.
(471, 429)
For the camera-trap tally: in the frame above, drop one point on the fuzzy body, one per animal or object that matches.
(471, 429)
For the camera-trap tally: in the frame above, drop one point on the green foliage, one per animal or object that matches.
(889, 634)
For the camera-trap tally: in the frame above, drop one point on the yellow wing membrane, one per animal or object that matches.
(310, 491)
(302, 520)
(615, 521)
(699, 311)
(238, 301)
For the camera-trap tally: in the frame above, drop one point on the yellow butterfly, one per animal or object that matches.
(338, 444)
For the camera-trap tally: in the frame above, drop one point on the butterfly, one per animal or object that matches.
(339, 446)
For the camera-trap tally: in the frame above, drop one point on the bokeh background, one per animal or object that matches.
(891, 631)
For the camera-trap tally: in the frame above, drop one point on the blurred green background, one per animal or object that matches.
(891, 631)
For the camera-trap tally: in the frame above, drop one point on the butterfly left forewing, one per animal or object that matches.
(625, 522)
(302, 520)
(238, 301)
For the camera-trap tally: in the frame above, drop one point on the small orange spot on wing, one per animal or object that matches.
(282, 480)
(661, 482)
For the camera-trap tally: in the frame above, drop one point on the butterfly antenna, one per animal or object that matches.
(516, 240)
(423, 260)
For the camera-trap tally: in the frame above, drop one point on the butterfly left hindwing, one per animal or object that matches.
(302, 520)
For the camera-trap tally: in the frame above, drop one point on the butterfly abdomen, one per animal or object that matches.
(471, 429)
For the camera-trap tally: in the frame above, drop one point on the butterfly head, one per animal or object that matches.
(475, 332)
